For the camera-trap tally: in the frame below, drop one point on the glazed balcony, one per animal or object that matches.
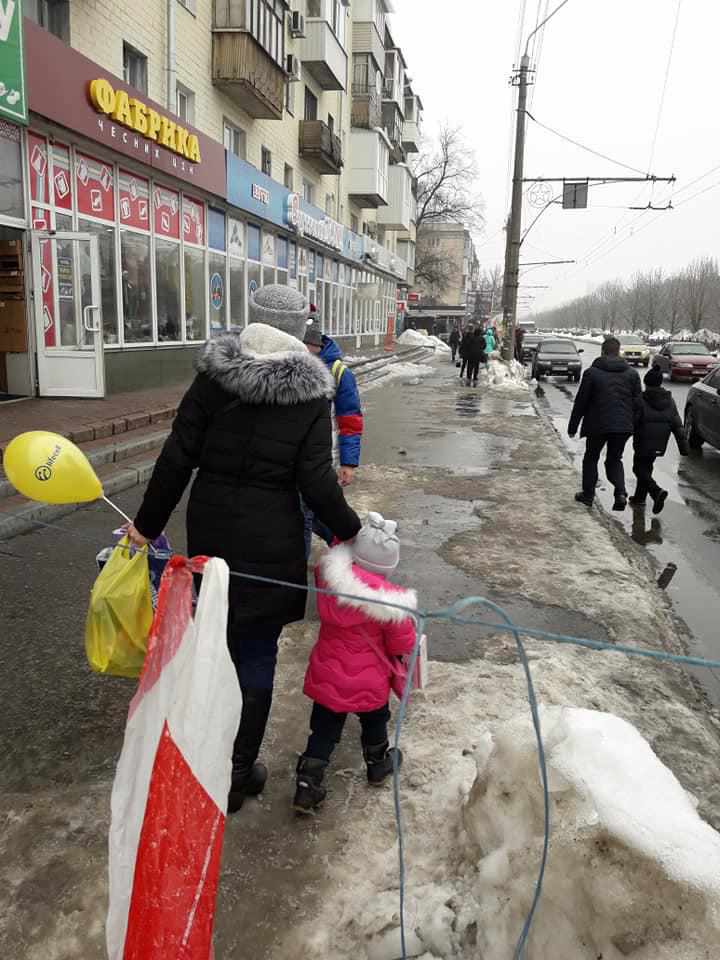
(321, 147)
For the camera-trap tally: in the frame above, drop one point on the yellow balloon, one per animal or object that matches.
(47, 467)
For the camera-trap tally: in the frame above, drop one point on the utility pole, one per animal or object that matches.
(514, 227)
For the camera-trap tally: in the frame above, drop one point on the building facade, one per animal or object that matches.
(178, 154)
(449, 250)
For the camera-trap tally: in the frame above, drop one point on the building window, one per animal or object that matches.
(266, 161)
(267, 25)
(289, 177)
(354, 224)
(53, 15)
(290, 98)
(134, 68)
(308, 191)
(311, 105)
(234, 139)
(329, 203)
(185, 100)
(136, 287)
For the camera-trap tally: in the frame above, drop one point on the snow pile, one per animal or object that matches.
(633, 871)
(409, 373)
(440, 345)
(499, 374)
(418, 338)
(352, 360)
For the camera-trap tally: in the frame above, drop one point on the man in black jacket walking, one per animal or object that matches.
(660, 418)
(609, 405)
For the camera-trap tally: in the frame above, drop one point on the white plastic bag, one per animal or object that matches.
(169, 798)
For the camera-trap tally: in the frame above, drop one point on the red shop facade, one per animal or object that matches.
(124, 235)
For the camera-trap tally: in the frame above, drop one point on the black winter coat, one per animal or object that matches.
(660, 418)
(475, 348)
(454, 338)
(258, 430)
(464, 343)
(608, 400)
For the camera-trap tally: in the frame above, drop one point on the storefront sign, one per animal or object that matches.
(13, 103)
(136, 115)
(261, 194)
(59, 80)
(322, 229)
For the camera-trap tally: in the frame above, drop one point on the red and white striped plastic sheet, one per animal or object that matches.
(169, 799)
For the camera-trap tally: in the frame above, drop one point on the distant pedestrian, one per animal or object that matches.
(454, 342)
(660, 418)
(519, 338)
(490, 341)
(475, 356)
(354, 663)
(608, 404)
(464, 344)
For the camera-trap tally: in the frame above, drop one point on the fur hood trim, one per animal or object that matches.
(260, 369)
(336, 569)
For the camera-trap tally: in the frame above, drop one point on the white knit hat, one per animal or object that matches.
(376, 547)
(281, 307)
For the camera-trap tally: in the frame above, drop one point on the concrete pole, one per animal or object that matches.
(514, 229)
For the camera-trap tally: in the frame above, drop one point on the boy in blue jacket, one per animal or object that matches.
(348, 414)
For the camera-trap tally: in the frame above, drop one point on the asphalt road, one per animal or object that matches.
(687, 533)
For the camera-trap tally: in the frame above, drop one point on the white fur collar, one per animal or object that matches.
(336, 567)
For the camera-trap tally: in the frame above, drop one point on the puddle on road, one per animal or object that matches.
(473, 454)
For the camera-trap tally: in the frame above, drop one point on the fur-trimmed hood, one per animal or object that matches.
(338, 572)
(264, 365)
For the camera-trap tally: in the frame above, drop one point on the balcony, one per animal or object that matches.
(323, 56)
(366, 106)
(367, 175)
(321, 146)
(398, 214)
(392, 123)
(412, 129)
(367, 40)
(247, 74)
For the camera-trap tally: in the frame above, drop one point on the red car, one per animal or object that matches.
(686, 361)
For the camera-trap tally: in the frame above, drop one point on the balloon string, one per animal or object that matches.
(116, 508)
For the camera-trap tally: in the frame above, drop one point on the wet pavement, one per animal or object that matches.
(687, 533)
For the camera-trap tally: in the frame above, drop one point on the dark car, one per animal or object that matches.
(702, 412)
(557, 358)
(530, 344)
(685, 361)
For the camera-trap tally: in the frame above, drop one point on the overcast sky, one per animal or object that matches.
(600, 77)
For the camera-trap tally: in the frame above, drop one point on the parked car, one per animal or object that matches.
(685, 361)
(634, 350)
(557, 358)
(530, 345)
(702, 412)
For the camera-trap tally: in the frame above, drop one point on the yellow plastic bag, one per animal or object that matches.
(120, 614)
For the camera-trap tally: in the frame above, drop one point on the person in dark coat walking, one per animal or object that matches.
(476, 354)
(518, 345)
(609, 406)
(454, 342)
(255, 423)
(660, 418)
(464, 343)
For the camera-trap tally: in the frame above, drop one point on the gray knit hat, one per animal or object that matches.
(313, 334)
(281, 307)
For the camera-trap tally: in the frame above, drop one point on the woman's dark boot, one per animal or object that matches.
(249, 777)
(310, 792)
(380, 761)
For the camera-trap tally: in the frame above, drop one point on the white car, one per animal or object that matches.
(634, 350)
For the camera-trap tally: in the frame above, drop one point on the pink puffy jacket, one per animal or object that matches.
(350, 669)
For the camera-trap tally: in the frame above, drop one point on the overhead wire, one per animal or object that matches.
(663, 92)
(582, 146)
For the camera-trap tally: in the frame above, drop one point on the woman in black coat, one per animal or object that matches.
(475, 354)
(256, 425)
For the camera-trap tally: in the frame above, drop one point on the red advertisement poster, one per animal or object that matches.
(41, 221)
(193, 221)
(134, 201)
(38, 168)
(166, 204)
(94, 186)
(61, 177)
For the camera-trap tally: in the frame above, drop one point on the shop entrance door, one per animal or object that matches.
(68, 314)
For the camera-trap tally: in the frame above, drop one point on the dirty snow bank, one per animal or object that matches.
(505, 377)
(633, 870)
(411, 373)
(415, 338)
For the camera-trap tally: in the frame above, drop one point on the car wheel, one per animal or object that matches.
(694, 440)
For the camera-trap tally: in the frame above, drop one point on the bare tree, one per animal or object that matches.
(611, 296)
(674, 302)
(699, 279)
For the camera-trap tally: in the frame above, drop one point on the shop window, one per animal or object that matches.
(236, 238)
(235, 139)
(11, 188)
(61, 177)
(136, 287)
(134, 201)
(266, 161)
(289, 177)
(167, 278)
(292, 261)
(134, 68)
(195, 299)
(53, 15)
(282, 253)
(193, 221)
(185, 103)
(94, 188)
(38, 164)
(216, 229)
(237, 293)
(166, 204)
(216, 293)
(254, 276)
(106, 247)
(253, 242)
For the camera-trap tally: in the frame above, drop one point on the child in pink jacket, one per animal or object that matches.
(355, 662)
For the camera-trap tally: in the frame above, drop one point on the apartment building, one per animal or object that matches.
(174, 155)
(450, 248)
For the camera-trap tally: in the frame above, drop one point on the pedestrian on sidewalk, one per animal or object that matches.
(608, 404)
(518, 346)
(490, 341)
(454, 342)
(348, 418)
(476, 355)
(660, 418)
(256, 425)
(354, 664)
(464, 343)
